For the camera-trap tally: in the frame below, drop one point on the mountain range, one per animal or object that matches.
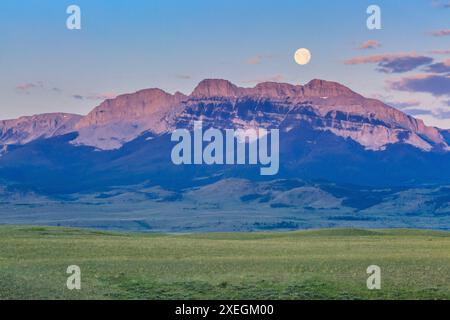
(339, 151)
(327, 106)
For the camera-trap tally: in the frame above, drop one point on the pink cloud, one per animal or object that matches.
(441, 33)
(379, 58)
(392, 62)
(254, 60)
(369, 44)
(440, 52)
(258, 59)
(25, 87)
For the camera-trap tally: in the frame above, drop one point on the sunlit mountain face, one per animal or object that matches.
(344, 160)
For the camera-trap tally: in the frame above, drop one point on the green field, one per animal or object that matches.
(324, 264)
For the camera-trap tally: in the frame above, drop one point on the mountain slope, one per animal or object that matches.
(327, 133)
(27, 129)
(327, 106)
(122, 119)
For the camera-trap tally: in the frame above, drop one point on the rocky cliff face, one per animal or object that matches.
(26, 129)
(327, 106)
(316, 88)
(117, 121)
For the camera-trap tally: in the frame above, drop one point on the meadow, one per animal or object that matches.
(312, 264)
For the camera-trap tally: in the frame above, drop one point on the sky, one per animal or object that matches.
(127, 45)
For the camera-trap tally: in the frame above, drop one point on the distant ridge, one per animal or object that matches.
(327, 105)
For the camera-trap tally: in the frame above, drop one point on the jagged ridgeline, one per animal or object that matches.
(327, 133)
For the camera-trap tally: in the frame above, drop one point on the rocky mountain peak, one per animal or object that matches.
(323, 88)
(316, 88)
(131, 107)
(29, 128)
(215, 88)
(329, 105)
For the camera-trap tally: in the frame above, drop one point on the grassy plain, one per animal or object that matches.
(314, 264)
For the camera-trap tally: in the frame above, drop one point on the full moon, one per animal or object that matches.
(302, 56)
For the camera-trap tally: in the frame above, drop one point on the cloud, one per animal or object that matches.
(28, 86)
(443, 4)
(403, 64)
(183, 76)
(275, 78)
(443, 114)
(377, 58)
(440, 67)
(102, 96)
(398, 104)
(437, 117)
(369, 44)
(25, 86)
(404, 104)
(421, 109)
(254, 60)
(392, 63)
(437, 113)
(96, 96)
(437, 85)
(441, 33)
(258, 59)
(418, 112)
(439, 52)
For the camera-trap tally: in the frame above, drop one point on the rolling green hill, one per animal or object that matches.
(314, 264)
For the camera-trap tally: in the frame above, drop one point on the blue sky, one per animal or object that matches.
(125, 46)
